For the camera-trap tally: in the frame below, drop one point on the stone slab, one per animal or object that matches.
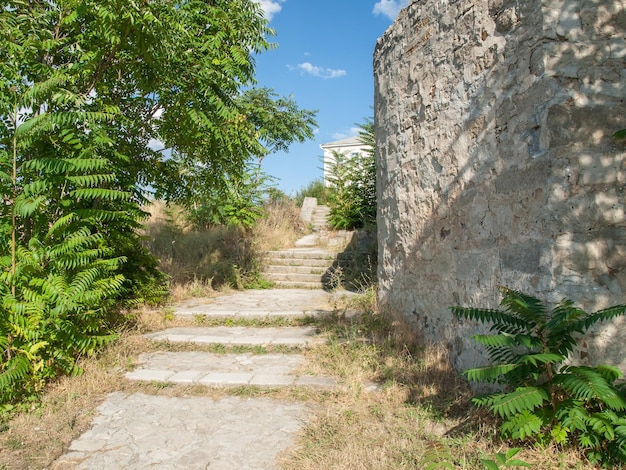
(261, 304)
(140, 431)
(225, 370)
(291, 336)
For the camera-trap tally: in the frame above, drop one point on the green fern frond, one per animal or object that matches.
(437, 456)
(100, 193)
(584, 324)
(91, 181)
(522, 399)
(610, 373)
(526, 306)
(489, 374)
(496, 341)
(541, 358)
(13, 370)
(26, 206)
(587, 384)
(523, 425)
(491, 316)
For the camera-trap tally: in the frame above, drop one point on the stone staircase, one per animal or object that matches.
(319, 219)
(238, 369)
(298, 267)
(228, 431)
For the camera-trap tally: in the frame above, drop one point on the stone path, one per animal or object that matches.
(261, 303)
(137, 431)
(140, 431)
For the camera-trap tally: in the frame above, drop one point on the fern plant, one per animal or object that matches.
(543, 399)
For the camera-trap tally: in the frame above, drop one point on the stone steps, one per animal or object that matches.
(258, 304)
(249, 336)
(298, 267)
(299, 284)
(226, 370)
(230, 370)
(319, 218)
(294, 277)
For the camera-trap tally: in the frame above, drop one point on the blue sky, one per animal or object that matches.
(323, 59)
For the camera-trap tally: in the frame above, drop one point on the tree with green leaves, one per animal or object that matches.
(352, 196)
(87, 87)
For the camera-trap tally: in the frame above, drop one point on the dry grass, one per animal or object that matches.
(198, 261)
(422, 414)
(280, 228)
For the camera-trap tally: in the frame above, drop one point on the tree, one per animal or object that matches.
(87, 86)
(352, 199)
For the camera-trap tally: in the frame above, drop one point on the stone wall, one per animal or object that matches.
(497, 164)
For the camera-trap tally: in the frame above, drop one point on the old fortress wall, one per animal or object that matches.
(497, 163)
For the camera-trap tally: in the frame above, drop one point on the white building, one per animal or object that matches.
(349, 147)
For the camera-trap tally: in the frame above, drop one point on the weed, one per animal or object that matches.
(505, 460)
(167, 314)
(545, 401)
(160, 385)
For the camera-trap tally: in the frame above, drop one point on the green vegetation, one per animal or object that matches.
(316, 189)
(546, 401)
(198, 258)
(352, 196)
(87, 89)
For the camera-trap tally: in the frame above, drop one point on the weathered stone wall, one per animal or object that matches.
(496, 162)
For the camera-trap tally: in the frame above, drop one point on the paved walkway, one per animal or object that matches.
(286, 336)
(261, 304)
(138, 431)
(142, 431)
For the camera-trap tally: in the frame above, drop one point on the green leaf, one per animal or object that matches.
(489, 373)
(490, 464)
(522, 399)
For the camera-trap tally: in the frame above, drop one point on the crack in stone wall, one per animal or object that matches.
(497, 165)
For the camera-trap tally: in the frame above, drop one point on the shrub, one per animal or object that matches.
(316, 189)
(352, 196)
(545, 400)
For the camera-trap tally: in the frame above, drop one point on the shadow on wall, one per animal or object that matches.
(498, 166)
(354, 268)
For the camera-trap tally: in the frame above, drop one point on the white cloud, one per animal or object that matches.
(389, 8)
(271, 7)
(352, 132)
(320, 72)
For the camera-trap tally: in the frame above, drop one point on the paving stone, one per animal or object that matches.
(222, 370)
(292, 336)
(261, 304)
(140, 431)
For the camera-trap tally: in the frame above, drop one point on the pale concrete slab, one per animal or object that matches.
(140, 431)
(291, 336)
(308, 240)
(225, 370)
(261, 304)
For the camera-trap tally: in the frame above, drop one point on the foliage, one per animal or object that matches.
(544, 399)
(88, 88)
(437, 457)
(316, 189)
(237, 198)
(352, 199)
(239, 202)
(621, 134)
(505, 460)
